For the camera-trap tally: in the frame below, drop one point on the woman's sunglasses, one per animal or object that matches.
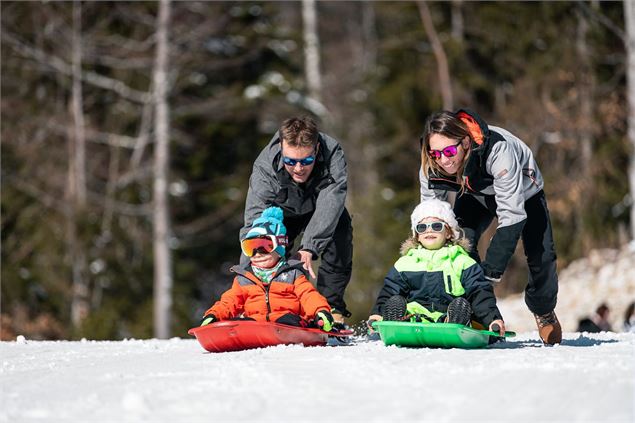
(449, 151)
(434, 226)
(265, 244)
(303, 162)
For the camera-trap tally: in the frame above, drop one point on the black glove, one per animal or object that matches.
(324, 320)
(491, 275)
(207, 319)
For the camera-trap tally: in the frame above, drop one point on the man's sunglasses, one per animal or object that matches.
(434, 226)
(265, 244)
(449, 151)
(309, 160)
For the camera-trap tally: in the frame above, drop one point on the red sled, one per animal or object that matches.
(237, 335)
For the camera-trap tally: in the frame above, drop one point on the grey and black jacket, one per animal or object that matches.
(501, 167)
(322, 197)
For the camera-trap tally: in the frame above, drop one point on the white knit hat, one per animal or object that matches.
(435, 208)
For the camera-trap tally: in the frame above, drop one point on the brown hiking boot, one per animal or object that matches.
(549, 328)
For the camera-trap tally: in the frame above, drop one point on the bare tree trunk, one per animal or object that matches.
(439, 54)
(311, 49)
(458, 28)
(77, 179)
(78, 112)
(162, 254)
(586, 87)
(629, 18)
(584, 126)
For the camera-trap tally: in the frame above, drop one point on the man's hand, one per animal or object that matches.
(306, 257)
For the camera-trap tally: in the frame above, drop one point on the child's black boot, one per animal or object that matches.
(459, 311)
(394, 308)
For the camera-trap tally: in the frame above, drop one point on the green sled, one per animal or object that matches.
(438, 335)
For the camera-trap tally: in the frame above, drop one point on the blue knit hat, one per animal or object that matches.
(269, 223)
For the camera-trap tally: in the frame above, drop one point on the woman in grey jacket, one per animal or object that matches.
(495, 174)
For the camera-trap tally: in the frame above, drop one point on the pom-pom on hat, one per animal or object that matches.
(435, 208)
(269, 223)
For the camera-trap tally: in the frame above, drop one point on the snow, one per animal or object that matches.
(588, 377)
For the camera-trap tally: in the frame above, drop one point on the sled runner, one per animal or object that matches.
(440, 335)
(237, 335)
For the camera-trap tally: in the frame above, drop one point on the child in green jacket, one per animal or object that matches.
(436, 280)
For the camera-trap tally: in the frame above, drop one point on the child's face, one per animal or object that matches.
(433, 240)
(265, 260)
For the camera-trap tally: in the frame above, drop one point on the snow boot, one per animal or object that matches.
(459, 311)
(549, 328)
(394, 308)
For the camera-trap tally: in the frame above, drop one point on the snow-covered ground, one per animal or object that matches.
(587, 378)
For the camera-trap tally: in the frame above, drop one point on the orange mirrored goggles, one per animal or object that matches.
(265, 244)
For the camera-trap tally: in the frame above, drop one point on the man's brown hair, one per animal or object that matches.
(299, 132)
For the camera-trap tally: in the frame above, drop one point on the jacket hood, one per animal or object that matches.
(448, 253)
(408, 245)
(477, 127)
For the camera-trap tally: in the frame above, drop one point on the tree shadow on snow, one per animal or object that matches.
(581, 341)
(585, 341)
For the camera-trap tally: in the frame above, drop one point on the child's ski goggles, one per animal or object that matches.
(449, 151)
(434, 226)
(264, 243)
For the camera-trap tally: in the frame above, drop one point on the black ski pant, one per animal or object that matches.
(336, 266)
(542, 287)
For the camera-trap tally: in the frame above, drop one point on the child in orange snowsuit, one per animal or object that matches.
(269, 288)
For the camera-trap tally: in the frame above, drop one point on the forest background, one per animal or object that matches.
(129, 130)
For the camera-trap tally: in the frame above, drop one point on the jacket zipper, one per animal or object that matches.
(267, 300)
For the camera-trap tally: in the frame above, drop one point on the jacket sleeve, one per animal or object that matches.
(427, 193)
(328, 207)
(479, 292)
(310, 299)
(394, 284)
(505, 166)
(231, 303)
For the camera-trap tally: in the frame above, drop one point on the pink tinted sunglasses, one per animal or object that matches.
(449, 151)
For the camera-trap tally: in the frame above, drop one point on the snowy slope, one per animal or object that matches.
(587, 378)
(590, 377)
